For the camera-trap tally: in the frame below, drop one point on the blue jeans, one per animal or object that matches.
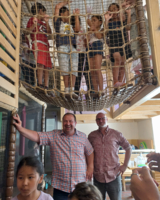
(113, 188)
(60, 195)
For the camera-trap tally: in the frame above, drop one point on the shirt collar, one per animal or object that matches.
(75, 133)
(106, 130)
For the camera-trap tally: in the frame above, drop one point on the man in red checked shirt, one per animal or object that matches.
(107, 169)
(39, 25)
(70, 151)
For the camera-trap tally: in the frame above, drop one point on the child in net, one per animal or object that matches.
(27, 62)
(65, 41)
(39, 26)
(85, 191)
(117, 38)
(82, 58)
(95, 39)
(29, 176)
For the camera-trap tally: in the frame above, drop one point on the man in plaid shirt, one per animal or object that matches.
(71, 154)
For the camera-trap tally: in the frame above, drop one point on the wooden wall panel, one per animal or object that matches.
(10, 16)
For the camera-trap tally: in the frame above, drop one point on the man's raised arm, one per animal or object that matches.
(32, 135)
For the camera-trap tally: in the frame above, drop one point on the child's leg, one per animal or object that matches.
(63, 60)
(66, 81)
(117, 62)
(73, 81)
(97, 65)
(80, 68)
(39, 73)
(74, 67)
(93, 74)
(46, 77)
(122, 70)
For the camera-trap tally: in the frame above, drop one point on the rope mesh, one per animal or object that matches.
(84, 55)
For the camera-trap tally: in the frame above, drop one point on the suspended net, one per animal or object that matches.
(84, 54)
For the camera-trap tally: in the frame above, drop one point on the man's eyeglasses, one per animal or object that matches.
(99, 119)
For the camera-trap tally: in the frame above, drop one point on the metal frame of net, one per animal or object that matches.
(84, 55)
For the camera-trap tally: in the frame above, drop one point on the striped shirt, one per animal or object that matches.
(68, 157)
(106, 148)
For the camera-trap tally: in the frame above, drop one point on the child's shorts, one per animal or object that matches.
(65, 64)
(97, 45)
(42, 57)
(128, 52)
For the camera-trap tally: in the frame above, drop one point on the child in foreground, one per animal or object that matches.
(29, 175)
(85, 191)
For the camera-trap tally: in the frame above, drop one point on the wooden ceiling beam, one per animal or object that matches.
(134, 117)
(147, 108)
(146, 112)
(148, 93)
(157, 97)
(151, 103)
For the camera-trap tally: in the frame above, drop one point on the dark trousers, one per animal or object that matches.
(82, 57)
(60, 195)
(113, 188)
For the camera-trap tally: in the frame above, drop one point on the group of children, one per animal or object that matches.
(73, 43)
(29, 177)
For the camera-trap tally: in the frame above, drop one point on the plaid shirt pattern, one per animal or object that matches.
(68, 158)
(106, 148)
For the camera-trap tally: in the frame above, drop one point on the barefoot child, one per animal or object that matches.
(29, 175)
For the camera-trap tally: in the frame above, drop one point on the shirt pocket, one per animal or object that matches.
(78, 149)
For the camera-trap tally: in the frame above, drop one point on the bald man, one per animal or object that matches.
(107, 169)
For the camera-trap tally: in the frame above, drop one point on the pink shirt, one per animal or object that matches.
(106, 148)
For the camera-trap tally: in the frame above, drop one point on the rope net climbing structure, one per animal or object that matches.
(84, 54)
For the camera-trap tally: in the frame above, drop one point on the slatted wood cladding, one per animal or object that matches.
(10, 14)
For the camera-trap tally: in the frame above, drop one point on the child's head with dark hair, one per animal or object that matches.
(114, 8)
(37, 7)
(85, 191)
(33, 162)
(97, 21)
(114, 5)
(73, 21)
(98, 17)
(64, 11)
(29, 175)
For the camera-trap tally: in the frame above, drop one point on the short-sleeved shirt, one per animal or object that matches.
(68, 157)
(41, 29)
(106, 148)
(43, 196)
(63, 29)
